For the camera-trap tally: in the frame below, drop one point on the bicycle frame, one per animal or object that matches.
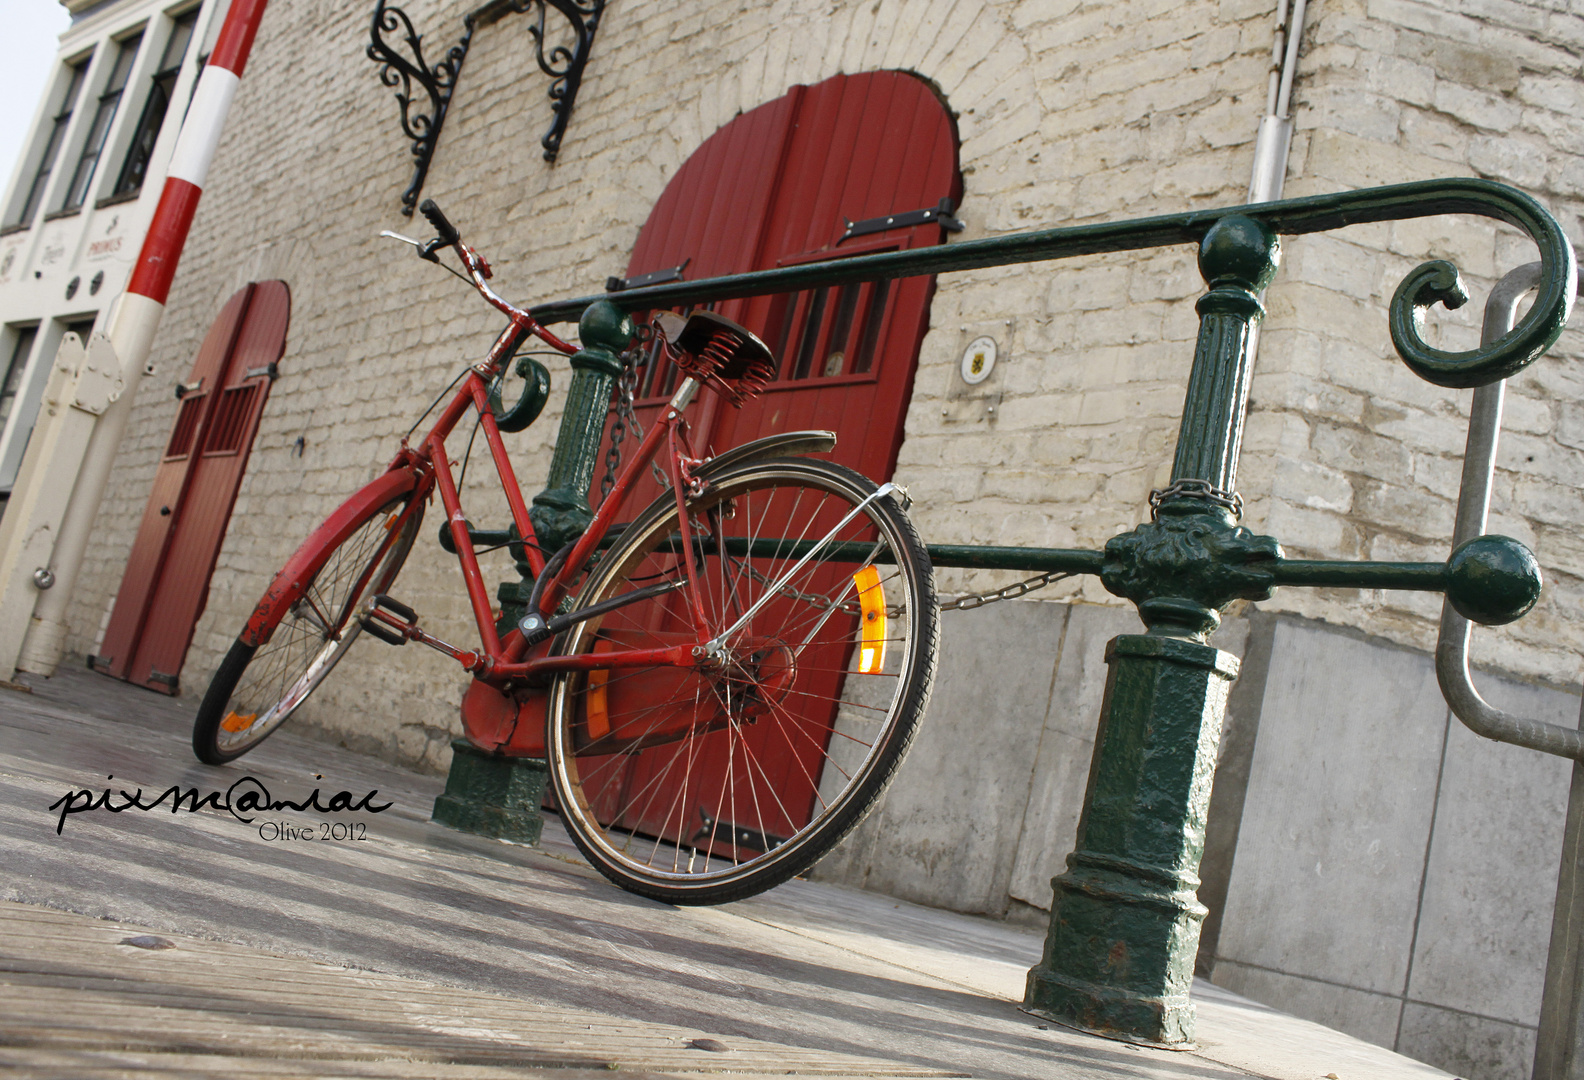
(501, 660)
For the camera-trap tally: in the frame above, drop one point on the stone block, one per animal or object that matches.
(1510, 160)
(1367, 1016)
(1485, 919)
(1066, 743)
(1337, 814)
(947, 829)
(1475, 1047)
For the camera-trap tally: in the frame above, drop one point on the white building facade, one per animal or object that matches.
(77, 206)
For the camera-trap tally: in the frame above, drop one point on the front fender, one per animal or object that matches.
(289, 584)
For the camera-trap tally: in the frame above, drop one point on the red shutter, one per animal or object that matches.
(167, 578)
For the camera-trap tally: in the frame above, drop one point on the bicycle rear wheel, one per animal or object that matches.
(700, 785)
(257, 687)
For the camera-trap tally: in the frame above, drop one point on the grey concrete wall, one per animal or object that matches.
(984, 811)
(1394, 874)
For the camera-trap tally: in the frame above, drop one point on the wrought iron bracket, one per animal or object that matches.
(424, 91)
(563, 65)
(435, 83)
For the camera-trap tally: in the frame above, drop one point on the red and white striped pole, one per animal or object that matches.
(136, 318)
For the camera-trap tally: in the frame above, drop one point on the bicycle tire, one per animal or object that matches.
(760, 763)
(257, 687)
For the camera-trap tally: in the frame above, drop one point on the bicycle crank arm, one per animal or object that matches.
(396, 624)
(774, 590)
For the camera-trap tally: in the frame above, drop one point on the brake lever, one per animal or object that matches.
(426, 251)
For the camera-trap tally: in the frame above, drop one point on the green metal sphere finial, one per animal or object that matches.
(605, 326)
(1240, 251)
(1493, 580)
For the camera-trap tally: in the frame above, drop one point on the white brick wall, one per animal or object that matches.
(1068, 112)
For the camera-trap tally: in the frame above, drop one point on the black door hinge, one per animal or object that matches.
(940, 214)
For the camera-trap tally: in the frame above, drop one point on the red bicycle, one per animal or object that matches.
(722, 686)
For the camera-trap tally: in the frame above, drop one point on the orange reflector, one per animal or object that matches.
(596, 707)
(872, 634)
(236, 721)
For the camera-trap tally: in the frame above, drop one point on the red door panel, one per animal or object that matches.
(167, 578)
(777, 186)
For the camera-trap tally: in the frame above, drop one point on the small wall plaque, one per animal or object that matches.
(978, 360)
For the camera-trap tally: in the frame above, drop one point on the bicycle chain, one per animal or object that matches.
(626, 420)
(962, 603)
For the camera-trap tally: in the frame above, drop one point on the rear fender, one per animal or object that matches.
(786, 444)
(288, 586)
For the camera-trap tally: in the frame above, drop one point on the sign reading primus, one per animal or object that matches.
(245, 797)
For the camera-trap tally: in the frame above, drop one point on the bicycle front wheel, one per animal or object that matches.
(704, 784)
(257, 687)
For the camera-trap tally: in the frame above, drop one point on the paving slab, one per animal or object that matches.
(407, 949)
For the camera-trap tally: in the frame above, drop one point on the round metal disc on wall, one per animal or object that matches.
(978, 360)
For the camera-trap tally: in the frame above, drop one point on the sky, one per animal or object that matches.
(27, 56)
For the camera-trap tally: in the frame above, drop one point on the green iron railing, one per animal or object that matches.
(1125, 918)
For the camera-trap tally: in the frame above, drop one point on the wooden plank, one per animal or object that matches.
(70, 990)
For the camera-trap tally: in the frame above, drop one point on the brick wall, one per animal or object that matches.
(1067, 113)
(312, 163)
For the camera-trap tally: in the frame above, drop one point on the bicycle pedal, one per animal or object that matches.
(388, 629)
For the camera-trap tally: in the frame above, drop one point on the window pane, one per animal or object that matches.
(135, 168)
(17, 362)
(82, 176)
(176, 44)
(52, 147)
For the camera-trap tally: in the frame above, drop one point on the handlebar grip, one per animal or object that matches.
(447, 231)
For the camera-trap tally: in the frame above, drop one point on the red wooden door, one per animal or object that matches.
(777, 186)
(167, 577)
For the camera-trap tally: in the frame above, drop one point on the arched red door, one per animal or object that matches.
(167, 577)
(776, 186)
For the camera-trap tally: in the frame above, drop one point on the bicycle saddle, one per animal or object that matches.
(713, 349)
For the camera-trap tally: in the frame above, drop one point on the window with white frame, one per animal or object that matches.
(16, 363)
(136, 165)
(75, 73)
(109, 100)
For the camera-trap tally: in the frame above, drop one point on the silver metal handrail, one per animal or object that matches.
(1479, 463)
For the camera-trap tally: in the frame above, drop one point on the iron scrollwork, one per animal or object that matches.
(421, 122)
(437, 82)
(563, 65)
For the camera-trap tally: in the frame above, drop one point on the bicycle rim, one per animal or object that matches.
(702, 785)
(316, 631)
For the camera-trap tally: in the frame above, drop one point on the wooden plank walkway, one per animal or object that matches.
(424, 952)
(77, 999)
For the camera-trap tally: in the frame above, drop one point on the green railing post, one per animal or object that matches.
(561, 511)
(492, 794)
(1125, 918)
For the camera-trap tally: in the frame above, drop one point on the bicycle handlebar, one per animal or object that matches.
(447, 231)
(478, 271)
